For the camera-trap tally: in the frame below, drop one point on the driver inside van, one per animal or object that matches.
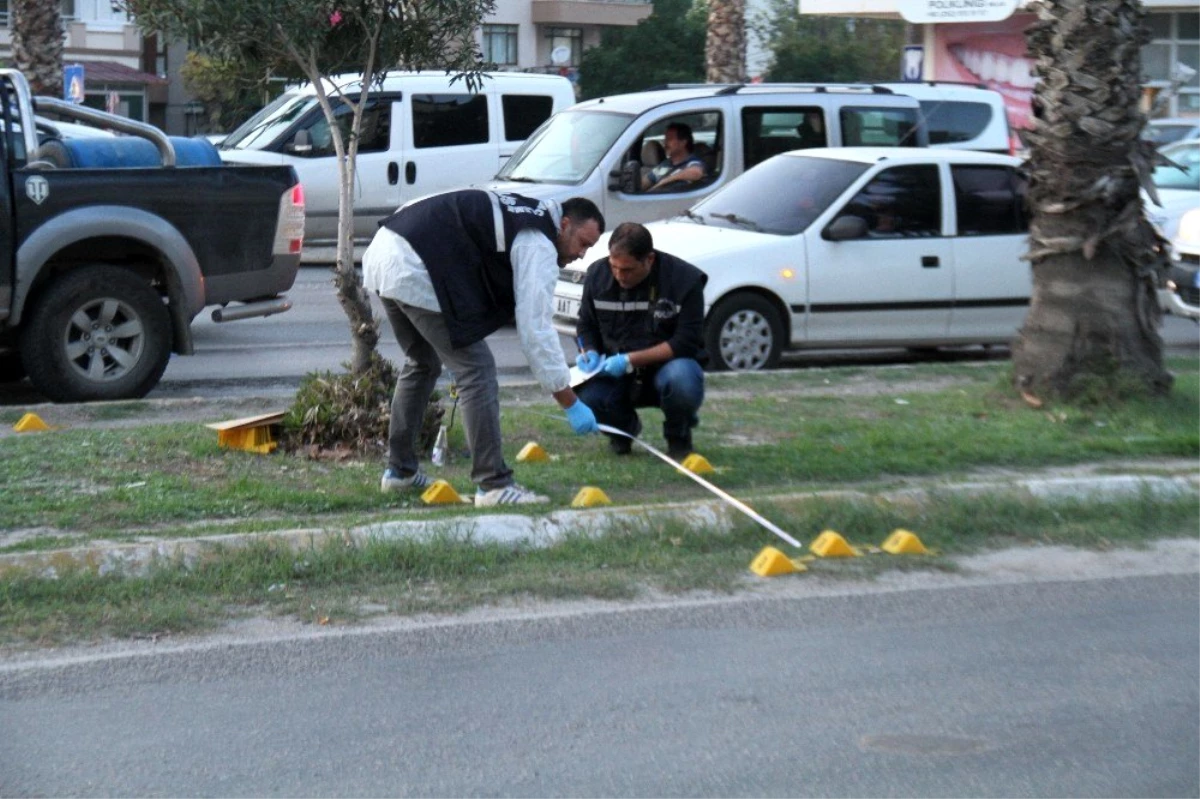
(681, 165)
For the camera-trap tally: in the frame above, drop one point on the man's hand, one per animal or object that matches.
(582, 420)
(617, 365)
(589, 361)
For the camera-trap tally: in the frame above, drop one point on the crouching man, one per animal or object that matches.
(641, 323)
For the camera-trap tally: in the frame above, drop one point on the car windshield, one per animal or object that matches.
(1167, 132)
(782, 195)
(566, 148)
(262, 129)
(1184, 176)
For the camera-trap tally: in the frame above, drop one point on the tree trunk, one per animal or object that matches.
(364, 332)
(37, 36)
(1093, 322)
(725, 48)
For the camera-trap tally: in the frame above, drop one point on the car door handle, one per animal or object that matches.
(410, 173)
(930, 261)
(393, 173)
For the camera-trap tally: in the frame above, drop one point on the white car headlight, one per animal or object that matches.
(1188, 237)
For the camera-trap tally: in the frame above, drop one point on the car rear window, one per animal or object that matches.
(953, 122)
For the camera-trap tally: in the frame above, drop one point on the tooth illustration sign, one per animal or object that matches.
(919, 11)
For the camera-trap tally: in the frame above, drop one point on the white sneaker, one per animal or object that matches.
(391, 481)
(509, 495)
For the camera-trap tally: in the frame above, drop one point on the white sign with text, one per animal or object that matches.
(956, 10)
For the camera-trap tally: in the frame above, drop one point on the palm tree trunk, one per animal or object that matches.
(725, 48)
(37, 37)
(1093, 322)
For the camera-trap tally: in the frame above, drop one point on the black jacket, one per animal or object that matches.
(667, 306)
(470, 265)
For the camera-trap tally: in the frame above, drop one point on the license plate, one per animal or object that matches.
(565, 306)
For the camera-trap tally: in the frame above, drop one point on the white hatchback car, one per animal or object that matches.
(850, 247)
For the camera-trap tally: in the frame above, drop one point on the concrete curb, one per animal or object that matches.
(545, 529)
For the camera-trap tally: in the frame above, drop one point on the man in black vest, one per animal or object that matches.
(451, 269)
(646, 309)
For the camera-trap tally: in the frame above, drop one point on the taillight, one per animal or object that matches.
(289, 229)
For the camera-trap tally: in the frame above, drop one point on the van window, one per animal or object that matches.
(990, 200)
(449, 120)
(879, 127)
(523, 113)
(375, 135)
(771, 131)
(902, 201)
(707, 146)
(951, 122)
(566, 149)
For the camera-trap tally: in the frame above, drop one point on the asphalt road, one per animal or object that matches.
(268, 357)
(1085, 688)
(271, 355)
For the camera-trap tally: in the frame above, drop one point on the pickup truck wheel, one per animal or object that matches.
(743, 334)
(100, 333)
(11, 368)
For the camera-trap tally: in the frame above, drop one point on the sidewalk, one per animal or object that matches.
(1161, 477)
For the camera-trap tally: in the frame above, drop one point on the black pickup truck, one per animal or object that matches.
(111, 245)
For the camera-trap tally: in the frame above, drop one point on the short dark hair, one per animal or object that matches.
(581, 209)
(684, 131)
(632, 239)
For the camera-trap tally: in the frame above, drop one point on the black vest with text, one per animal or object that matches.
(465, 239)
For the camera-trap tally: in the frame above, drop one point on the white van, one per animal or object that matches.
(421, 134)
(961, 116)
(599, 148)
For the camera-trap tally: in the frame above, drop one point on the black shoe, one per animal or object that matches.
(620, 445)
(679, 448)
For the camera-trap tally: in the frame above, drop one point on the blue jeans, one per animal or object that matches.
(676, 387)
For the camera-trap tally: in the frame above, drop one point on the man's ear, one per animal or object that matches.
(562, 226)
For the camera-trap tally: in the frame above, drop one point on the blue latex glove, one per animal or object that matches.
(617, 365)
(582, 420)
(588, 361)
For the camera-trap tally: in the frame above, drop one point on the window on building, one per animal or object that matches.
(500, 44)
(446, 120)
(566, 46)
(1175, 40)
(68, 10)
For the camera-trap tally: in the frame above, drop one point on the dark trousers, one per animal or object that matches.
(676, 387)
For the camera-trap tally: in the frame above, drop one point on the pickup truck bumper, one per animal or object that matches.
(260, 284)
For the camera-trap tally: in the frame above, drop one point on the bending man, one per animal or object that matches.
(452, 269)
(644, 308)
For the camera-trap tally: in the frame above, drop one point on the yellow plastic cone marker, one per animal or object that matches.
(697, 464)
(589, 497)
(532, 453)
(30, 423)
(830, 544)
(772, 563)
(440, 493)
(902, 542)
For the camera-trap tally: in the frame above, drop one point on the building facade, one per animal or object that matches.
(994, 53)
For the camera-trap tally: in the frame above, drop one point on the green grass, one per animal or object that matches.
(337, 583)
(766, 434)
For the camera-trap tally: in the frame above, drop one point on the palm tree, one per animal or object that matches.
(1093, 322)
(725, 48)
(37, 36)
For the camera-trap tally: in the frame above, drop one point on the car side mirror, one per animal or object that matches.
(301, 142)
(845, 228)
(628, 178)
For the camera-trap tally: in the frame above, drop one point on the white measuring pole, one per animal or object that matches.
(734, 501)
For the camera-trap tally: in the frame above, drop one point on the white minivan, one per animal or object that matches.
(422, 133)
(600, 149)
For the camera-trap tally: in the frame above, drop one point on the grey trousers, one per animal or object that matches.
(425, 339)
